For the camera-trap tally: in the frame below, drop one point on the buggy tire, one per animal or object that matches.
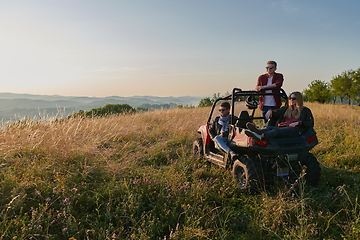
(198, 147)
(248, 174)
(313, 170)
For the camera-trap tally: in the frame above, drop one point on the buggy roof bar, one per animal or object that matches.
(238, 94)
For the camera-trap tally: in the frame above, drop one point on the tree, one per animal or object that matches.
(108, 109)
(216, 96)
(318, 91)
(341, 85)
(337, 88)
(354, 92)
(205, 102)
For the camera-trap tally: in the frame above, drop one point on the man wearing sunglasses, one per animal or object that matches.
(219, 130)
(266, 81)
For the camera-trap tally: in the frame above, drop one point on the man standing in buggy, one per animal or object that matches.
(266, 81)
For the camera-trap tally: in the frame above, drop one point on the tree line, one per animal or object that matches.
(108, 109)
(343, 87)
(111, 109)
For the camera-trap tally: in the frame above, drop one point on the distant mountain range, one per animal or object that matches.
(17, 106)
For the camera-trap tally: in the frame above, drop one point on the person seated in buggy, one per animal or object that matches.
(292, 120)
(219, 130)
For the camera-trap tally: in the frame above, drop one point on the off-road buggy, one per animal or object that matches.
(259, 163)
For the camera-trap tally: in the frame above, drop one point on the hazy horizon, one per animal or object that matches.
(210, 95)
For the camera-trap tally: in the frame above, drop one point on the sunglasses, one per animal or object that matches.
(292, 98)
(222, 109)
(269, 67)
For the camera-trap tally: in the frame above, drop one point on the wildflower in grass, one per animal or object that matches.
(135, 182)
(341, 188)
(66, 200)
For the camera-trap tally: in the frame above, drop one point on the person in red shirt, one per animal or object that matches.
(266, 81)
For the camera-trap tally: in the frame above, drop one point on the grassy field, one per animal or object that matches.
(134, 177)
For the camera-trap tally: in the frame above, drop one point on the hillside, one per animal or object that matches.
(18, 106)
(134, 177)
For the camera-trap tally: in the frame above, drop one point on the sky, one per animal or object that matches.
(100, 48)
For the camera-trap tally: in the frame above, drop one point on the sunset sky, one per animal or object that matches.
(172, 47)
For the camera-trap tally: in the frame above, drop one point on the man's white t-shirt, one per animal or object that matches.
(268, 99)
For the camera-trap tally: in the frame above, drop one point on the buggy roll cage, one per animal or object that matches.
(240, 95)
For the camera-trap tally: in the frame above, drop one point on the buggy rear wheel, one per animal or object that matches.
(313, 170)
(248, 174)
(198, 147)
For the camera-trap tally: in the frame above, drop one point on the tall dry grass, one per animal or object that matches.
(71, 137)
(45, 166)
(338, 128)
(133, 177)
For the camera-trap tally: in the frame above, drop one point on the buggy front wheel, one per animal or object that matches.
(248, 174)
(198, 147)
